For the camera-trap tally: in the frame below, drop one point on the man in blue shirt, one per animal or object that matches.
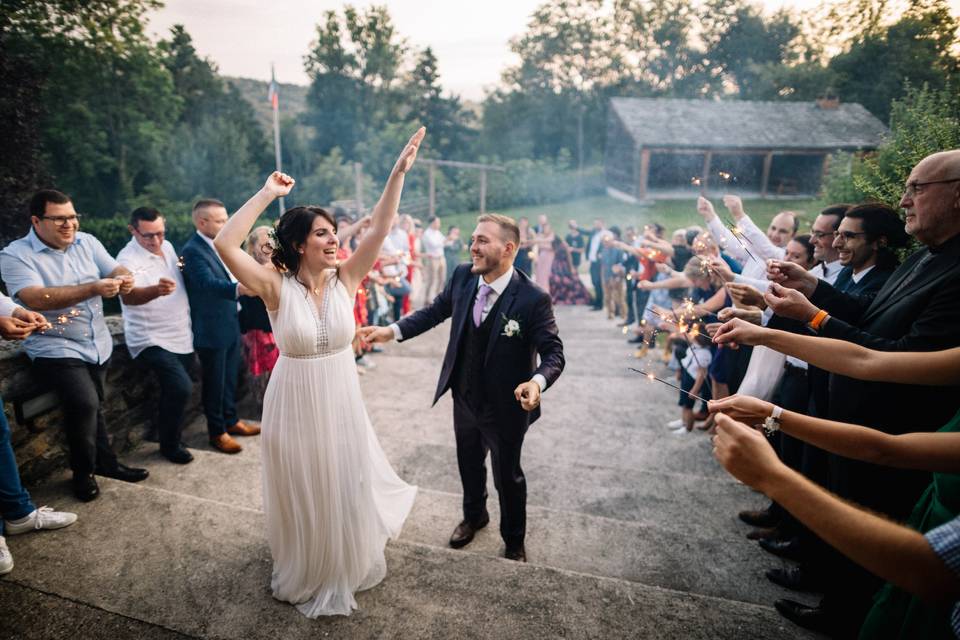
(65, 274)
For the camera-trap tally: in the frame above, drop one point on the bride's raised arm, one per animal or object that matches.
(260, 280)
(354, 268)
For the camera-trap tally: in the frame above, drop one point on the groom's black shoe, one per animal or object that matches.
(518, 553)
(463, 534)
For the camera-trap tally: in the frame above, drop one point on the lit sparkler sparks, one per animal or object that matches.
(651, 377)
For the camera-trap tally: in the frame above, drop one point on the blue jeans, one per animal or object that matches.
(176, 387)
(399, 292)
(15, 502)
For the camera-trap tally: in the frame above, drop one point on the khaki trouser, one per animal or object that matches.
(615, 297)
(434, 277)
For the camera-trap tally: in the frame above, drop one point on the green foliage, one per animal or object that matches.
(923, 122)
(114, 235)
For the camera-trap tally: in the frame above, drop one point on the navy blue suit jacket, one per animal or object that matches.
(212, 295)
(509, 361)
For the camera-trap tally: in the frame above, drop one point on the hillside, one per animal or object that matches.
(293, 99)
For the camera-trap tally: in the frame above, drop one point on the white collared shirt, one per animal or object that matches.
(7, 305)
(432, 241)
(827, 272)
(164, 321)
(857, 277)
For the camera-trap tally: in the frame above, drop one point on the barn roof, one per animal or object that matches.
(737, 124)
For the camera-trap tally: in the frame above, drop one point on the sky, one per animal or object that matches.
(470, 38)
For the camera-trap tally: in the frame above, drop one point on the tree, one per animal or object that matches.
(450, 134)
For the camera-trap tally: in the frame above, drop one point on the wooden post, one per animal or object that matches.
(431, 172)
(765, 176)
(483, 191)
(358, 186)
(825, 170)
(705, 177)
(644, 173)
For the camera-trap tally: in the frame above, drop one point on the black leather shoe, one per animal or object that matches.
(794, 578)
(790, 549)
(636, 339)
(125, 473)
(85, 487)
(519, 554)
(813, 618)
(759, 518)
(180, 455)
(463, 534)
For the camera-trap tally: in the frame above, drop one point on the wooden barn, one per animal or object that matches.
(670, 148)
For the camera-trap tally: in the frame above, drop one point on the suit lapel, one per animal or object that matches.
(506, 306)
(467, 294)
(930, 272)
(212, 257)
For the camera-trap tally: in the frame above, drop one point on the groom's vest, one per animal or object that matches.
(469, 383)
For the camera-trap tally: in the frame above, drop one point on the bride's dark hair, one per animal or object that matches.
(291, 232)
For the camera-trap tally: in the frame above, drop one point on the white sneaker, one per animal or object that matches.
(42, 518)
(673, 424)
(6, 559)
(678, 432)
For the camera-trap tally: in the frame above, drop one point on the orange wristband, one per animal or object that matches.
(818, 320)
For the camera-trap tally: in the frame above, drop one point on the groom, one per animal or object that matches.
(501, 321)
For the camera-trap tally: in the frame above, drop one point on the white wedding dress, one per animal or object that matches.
(330, 496)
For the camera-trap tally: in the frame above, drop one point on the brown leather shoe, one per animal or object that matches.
(243, 429)
(225, 444)
(463, 534)
(519, 554)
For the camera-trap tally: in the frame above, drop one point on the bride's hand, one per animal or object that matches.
(409, 153)
(278, 184)
(370, 335)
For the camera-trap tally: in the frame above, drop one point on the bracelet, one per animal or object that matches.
(817, 320)
(771, 423)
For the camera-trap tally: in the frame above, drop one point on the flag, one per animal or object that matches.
(273, 94)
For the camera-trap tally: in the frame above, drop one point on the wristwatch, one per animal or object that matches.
(771, 424)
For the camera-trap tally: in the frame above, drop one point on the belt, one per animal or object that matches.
(313, 356)
(792, 368)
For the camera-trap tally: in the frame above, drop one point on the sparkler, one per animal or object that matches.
(651, 377)
(695, 181)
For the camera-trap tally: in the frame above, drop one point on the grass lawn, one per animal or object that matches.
(672, 214)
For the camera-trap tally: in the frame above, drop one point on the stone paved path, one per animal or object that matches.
(632, 530)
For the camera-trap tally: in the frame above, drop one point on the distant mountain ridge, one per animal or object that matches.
(293, 99)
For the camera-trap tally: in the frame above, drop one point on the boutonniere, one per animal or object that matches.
(510, 327)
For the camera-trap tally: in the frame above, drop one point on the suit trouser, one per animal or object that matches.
(476, 435)
(434, 277)
(220, 373)
(176, 387)
(632, 313)
(79, 385)
(15, 502)
(596, 277)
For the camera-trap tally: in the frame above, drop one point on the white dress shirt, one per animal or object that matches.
(164, 321)
(857, 277)
(7, 305)
(828, 273)
(498, 286)
(432, 242)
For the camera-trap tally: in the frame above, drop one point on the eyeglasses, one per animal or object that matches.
(816, 235)
(911, 189)
(848, 235)
(150, 236)
(62, 221)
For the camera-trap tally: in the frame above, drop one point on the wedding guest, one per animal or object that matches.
(213, 293)
(593, 257)
(156, 324)
(524, 260)
(434, 262)
(544, 243)
(394, 255)
(452, 249)
(65, 274)
(694, 380)
(918, 308)
(260, 350)
(565, 284)
(18, 513)
(614, 275)
(576, 242)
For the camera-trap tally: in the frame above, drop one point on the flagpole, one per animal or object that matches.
(275, 102)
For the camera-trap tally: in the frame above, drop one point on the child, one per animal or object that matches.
(693, 378)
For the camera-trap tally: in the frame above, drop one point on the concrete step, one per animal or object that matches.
(202, 568)
(704, 559)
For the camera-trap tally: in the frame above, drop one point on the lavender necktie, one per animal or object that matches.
(480, 303)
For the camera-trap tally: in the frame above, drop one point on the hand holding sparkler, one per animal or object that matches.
(752, 315)
(790, 303)
(740, 407)
(166, 286)
(746, 454)
(735, 332)
(791, 275)
(745, 295)
(15, 329)
(651, 377)
(719, 267)
(107, 287)
(734, 205)
(125, 282)
(705, 209)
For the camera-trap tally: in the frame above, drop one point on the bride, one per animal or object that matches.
(330, 496)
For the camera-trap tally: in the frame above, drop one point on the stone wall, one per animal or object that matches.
(130, 406)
